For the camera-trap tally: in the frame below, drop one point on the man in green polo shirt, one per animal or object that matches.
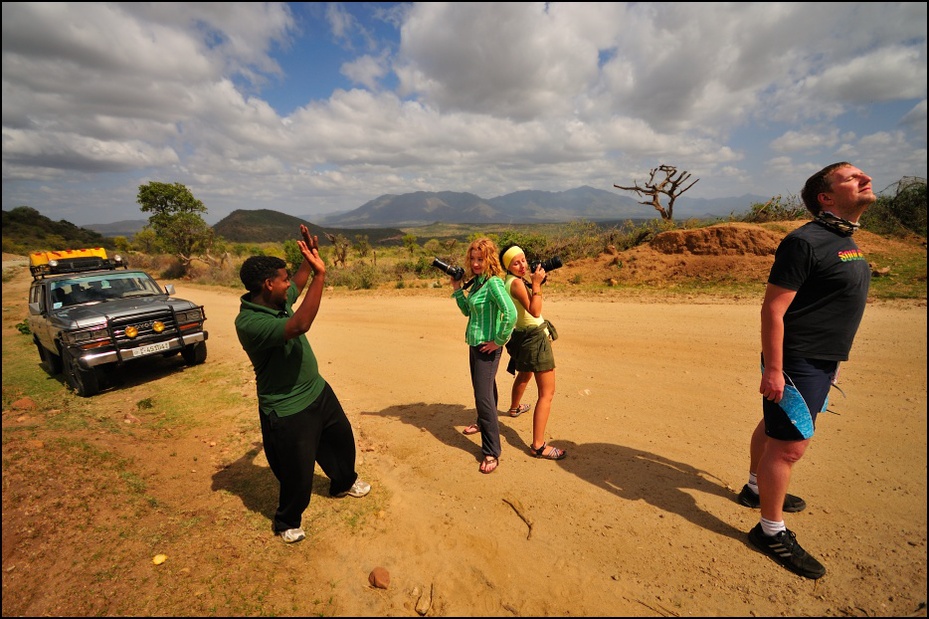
(302, 421)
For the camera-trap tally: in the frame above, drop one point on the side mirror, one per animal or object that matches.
(169, 289)
(35, 309)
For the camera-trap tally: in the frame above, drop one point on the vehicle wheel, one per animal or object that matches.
(51, 361)
(194, 354)
(85, 383)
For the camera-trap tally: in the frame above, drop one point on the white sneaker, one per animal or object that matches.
(358, 490)
(292, 535)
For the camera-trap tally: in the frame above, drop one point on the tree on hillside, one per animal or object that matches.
(669, 186)
(362, 245)
(409, 241)
(177, 222)
(340, 246)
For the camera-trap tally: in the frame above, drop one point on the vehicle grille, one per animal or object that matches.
(143, 323)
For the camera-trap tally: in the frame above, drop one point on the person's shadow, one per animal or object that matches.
(627, 473)
(256, 485)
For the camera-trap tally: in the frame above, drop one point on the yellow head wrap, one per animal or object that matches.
(509, 254)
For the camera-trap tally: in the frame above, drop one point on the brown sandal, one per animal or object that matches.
(491, 462)
(472, 429)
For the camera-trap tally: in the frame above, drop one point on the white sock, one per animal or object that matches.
(753, 482)
(772, 528)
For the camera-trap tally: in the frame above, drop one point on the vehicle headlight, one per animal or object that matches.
(193, 315)
(86, 336)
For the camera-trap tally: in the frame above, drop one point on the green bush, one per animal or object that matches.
(536, 246)
(775, 209)
(359, 276)
(901, 214)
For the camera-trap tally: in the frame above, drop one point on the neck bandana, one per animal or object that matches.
(838, 224)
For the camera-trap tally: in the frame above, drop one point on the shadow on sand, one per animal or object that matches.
(256, 485)
(626, 473)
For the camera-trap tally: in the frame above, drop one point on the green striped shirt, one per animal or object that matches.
(490, 311)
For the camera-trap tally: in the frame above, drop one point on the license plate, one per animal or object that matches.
(151, 348)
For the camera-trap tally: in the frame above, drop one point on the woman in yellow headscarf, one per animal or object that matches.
(530, 348)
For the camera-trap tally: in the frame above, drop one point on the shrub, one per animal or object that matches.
(900, 214)
(359, 276)
(775, 209)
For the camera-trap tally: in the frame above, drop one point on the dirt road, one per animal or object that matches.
(655, 404)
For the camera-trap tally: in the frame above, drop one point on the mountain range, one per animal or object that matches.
(422, 208)
(529, 206)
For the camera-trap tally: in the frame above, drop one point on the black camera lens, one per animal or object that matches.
(552, 263)
(549, 265)
(455, 272)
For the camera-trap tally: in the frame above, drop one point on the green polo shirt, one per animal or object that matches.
(286, 372)
(490, 311)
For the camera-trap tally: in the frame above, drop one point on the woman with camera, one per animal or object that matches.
(530, 347)
(491, 316)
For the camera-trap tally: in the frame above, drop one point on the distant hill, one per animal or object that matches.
(25, 230)
(260, 226)
(530, 206)
(266, 226)
(127, 228)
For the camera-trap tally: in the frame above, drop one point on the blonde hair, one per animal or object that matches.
(488, 249)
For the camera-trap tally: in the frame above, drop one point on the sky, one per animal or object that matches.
(316, 108)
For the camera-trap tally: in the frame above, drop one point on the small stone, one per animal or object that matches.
(379, 577)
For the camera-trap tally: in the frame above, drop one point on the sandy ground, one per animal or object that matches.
(655, 404)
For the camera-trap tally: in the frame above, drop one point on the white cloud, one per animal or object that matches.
(482, 97)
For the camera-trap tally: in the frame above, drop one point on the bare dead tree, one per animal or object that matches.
(669, 186)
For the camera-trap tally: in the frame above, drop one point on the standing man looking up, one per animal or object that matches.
(812, 308)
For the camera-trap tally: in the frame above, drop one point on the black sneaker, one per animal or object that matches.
(784, 549)
(792, 504)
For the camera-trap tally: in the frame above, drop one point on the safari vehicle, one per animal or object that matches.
(90, 313)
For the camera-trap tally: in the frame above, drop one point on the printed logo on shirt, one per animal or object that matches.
(851, 255)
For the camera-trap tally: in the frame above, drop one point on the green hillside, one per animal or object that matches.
(25, 230)
(267, 226)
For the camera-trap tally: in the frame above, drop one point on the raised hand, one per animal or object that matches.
(309, 247)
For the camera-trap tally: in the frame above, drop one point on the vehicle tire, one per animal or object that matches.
(50, 360)
(85, 383)
(194, 354)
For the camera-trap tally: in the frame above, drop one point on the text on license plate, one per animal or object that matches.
(151, 348)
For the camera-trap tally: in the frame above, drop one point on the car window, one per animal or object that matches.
(67, 292)
(132, 285)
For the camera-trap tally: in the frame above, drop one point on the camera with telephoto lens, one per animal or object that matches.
(549, 265)
(456, 273)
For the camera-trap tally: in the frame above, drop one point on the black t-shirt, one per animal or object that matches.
(831, 277)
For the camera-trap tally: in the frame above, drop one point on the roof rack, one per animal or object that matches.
(44, 263)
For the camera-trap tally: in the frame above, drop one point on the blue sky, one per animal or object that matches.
(315, 108)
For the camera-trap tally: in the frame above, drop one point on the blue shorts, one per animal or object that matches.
(806, 394)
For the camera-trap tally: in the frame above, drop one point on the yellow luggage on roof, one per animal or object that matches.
(42, 263)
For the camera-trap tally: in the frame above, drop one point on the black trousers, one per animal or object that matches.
(294, 444)
(484, 383)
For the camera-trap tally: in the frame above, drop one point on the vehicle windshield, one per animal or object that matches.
(103, 287)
